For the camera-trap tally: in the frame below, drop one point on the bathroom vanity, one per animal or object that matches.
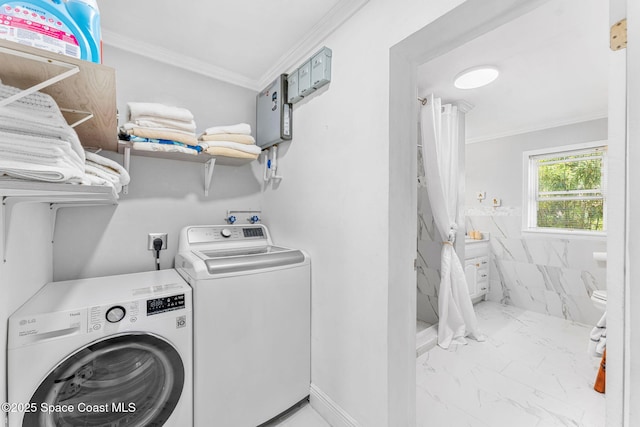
(476, 267)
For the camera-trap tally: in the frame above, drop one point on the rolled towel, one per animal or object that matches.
(233, 137)
(141, 109)
(241, 128)
(106, 177)
(109, 166)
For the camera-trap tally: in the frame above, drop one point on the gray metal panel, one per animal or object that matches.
(321, 68)
(273, 114)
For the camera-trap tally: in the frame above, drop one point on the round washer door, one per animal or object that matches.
(132, 380)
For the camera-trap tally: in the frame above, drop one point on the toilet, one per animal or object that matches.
(599, 299)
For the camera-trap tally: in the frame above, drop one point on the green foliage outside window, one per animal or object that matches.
(570, 192)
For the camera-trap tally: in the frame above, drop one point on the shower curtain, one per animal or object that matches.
(439, 129)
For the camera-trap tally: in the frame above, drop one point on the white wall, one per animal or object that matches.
(495, 166)
(164, 195)
(25, 265)
(334, 203)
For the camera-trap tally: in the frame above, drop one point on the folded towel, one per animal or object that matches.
(151, 146)
(134, 138)
(41, 146)
(141, 109)
(230, 152)
(251, 149)
(36, 172)
(37, 102)
(168, 134)
(233, 137)
(158, 122)
(241, 128)
(36, 115)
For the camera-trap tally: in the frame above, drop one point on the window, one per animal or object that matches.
(565, 189)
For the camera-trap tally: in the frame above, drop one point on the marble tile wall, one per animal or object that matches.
(428, 256)
(541, 273)
(428, 265)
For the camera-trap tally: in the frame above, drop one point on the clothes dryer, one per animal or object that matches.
(252, 333)
(107, 351)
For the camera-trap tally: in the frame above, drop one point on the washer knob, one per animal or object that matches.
(115, 314)
(226, 233)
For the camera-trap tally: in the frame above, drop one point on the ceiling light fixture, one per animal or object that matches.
(476, 77)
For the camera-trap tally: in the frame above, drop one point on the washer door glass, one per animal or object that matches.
(132, 380)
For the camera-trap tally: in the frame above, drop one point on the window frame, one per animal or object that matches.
(530, 187)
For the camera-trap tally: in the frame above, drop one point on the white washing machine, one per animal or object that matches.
(251, 323)
(107, 351)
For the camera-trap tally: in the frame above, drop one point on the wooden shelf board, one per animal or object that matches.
(92, 89)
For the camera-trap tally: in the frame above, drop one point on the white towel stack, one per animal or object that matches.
(161, 125)
(36, 143)
(230, 141)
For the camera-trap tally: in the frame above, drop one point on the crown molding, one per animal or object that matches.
(333, 19)
(330, 22)
(175, 59)
(543, 126)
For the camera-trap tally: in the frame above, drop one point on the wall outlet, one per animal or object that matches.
(154, 236)
(481, 195)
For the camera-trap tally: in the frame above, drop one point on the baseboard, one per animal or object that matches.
(426, 340)
(330, 410)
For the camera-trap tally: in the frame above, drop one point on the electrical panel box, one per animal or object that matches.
(321, 68)
(273, 114)
(310, 76)
(304, 79)
(293, 91)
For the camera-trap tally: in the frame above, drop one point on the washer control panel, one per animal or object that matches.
(112, 317)
(212, 234)
(164, 304)
(115, 314)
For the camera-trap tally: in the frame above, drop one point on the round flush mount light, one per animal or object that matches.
(476, 77)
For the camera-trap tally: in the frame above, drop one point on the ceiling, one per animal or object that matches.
(244, 42)
(553, 66)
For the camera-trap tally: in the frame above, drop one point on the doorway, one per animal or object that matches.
(454, 29)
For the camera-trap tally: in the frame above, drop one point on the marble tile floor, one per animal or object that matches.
(532, 371)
